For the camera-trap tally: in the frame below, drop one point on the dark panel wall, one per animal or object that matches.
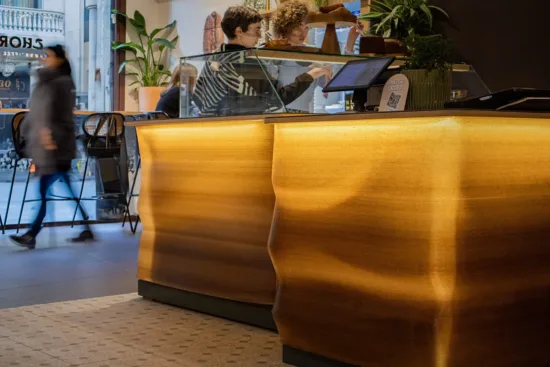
(507, 42)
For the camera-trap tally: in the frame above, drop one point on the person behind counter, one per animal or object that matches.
(232, 84)
(289, 22)
(290, 29)
(169, 102)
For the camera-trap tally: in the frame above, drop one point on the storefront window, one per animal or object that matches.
(36, 4)
(26, 28)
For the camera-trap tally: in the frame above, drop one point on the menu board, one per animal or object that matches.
(15, 86)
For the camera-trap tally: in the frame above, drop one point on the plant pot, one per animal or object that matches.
(429, 90)
(394, 47)
(148, 98)
(372, 46)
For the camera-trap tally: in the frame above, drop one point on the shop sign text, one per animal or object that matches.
(21, 42)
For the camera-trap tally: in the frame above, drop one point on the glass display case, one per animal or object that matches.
(266, 81)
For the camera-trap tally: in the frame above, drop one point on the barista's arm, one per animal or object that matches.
(289, 93)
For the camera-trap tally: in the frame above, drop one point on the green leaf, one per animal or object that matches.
(165, 72)
(169, 28)
(387, 34)
(371, 16)
(164, 42)
(140, 20)
(428, 13)
(382, 4)
(129, 46)
(114, 11)
(126, 63)
(439, 10)
(389, 17)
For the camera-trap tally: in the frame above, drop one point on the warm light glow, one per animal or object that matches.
(206, 203)
(390, 236)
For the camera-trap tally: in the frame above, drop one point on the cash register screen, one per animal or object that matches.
(358, 74)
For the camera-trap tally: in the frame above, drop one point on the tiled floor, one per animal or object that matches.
(49, 318)
(60, 271)
(127, 331)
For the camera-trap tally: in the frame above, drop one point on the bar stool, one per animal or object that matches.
(19, 144)
(103, 135)
(131, 136)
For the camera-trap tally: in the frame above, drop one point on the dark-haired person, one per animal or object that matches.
(233, 84)
(50, 137)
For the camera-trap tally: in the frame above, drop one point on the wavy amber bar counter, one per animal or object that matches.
(206, 203)
(413, 239)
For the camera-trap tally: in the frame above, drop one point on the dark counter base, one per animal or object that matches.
(300, 358)
(247, 313)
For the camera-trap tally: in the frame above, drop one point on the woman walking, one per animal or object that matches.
(49, 135)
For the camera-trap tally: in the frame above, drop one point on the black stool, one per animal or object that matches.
(104, 137)
(19, 144)
(134, 156)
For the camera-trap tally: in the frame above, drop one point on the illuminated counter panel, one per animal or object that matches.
(413, 241)
(206, 203)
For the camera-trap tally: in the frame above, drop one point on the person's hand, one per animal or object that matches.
(353, 34)
(46, 139)
(320, 71)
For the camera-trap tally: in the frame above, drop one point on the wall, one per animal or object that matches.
(74, 37)
(54, 5)
(191, 16)
(156, 15)
(505, 41)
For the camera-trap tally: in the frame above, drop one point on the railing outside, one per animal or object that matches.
(31, 20)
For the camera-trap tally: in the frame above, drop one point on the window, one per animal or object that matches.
(35, 4)
(70, 23)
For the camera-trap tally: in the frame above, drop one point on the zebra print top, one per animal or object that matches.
(231, 83)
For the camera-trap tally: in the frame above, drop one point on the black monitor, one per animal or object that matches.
(358, 74)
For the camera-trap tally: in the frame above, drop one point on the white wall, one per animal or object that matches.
(191, 16)
(156, 16)
(54, 5)
(74, 37)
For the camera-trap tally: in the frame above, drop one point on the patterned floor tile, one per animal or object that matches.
(30, 358)
(127, 331)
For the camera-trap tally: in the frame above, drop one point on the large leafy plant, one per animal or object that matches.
(431, 52)
(400, 18)
(148, 51)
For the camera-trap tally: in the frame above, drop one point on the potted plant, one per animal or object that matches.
(147, 64)
(429, 71)
(397, 19)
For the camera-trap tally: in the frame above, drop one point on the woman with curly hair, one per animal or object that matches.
(289, 22)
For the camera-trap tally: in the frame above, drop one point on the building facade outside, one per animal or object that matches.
(84, 27)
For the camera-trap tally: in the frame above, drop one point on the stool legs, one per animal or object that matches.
(10, 196)
(24, 198)
(133, 228)
(81, 190)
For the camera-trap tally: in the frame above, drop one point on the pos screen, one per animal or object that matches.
(358, 74)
